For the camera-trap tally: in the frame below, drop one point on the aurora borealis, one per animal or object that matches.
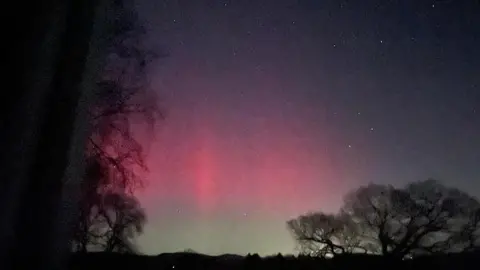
(275, 108)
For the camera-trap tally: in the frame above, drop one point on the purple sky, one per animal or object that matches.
(275, 108)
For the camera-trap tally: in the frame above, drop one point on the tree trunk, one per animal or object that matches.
(20, 120)
(44, 130)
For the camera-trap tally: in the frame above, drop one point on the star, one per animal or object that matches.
(372, 129)
(349, 146)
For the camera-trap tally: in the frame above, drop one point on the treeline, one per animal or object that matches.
(93, 261)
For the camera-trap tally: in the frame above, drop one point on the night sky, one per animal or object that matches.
(276, 108)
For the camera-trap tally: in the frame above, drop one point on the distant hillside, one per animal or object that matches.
(188, 260)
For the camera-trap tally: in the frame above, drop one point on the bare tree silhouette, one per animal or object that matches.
(326, 235)
(122, 220)
(115, 156)
(423, 218)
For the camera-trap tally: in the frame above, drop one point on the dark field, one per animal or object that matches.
(101, 261)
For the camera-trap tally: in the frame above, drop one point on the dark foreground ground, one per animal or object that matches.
(102, 261)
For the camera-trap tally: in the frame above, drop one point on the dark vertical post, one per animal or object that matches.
(44, 128)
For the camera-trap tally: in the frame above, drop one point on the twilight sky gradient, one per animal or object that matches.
(275, 108)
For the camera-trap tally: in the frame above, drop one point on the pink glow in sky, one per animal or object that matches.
(275, 108)
(249, 159)
(206, 182)
(266, 169)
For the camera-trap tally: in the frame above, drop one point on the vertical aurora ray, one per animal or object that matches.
(204, 171)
